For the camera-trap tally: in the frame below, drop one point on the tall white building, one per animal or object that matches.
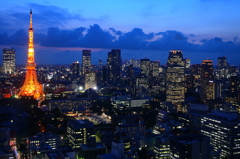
(175, 77)
(9, 64)
(90, 80)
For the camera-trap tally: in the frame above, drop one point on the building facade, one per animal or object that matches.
(114, 63)
(190, 146)
(207, 81)
(90, 80)
(86, 61)
(175, 77)
(223, 129)
(9, 63)
(75, 69)
(145, 67)
(78, 131)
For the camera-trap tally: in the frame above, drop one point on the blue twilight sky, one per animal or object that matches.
(140, 28)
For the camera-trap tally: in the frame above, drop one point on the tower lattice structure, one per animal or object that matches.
(31, 87)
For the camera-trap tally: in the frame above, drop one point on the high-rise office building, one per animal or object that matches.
(220, 88)
(207, 70)
(51, 139)
(130, 71)
(9, 64)
(233, 93)
(196, 73)
(145, 67)
(207, 81)
(78, 131)
(75, 68)
(222, 67)
(114, 63)
(86, 61)
(154, 68)
(223, 129)
(221, 76)
(162, 148)
(90, 80)
(175, 77)
(190, 146)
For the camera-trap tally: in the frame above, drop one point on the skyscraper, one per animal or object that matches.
(207, 80)
(86, 61)
(78, 131)
(75, 68)
(207, 70)
(233, 93)
(31, 87)
(190, 146)
(223, 130)
(90, 80)
(196, 73)
(175, 77)
(114, 63)
(9, 63)
(154, 68)
(145, 67)
(222, 68)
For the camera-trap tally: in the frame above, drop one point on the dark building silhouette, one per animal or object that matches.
(91, 149)
(190, 146)
(207, 81)
(122, 120)
(75, 68)
(114, 63)
(222, 68)
(233, 93)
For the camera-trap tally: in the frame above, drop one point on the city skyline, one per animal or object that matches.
(78, 94)
(212, 34)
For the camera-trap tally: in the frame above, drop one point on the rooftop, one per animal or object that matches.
(99, 145)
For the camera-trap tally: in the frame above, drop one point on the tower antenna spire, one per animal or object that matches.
(30, 27)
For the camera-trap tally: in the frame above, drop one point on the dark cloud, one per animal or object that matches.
(61, 38)
(19, 38)
(96, 37)
(171, 39)
(217, 44)
(116, 32)
(135, 39)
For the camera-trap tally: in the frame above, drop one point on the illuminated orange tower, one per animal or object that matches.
(31, 87)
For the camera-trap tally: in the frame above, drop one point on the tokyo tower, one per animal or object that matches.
(31, 87)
